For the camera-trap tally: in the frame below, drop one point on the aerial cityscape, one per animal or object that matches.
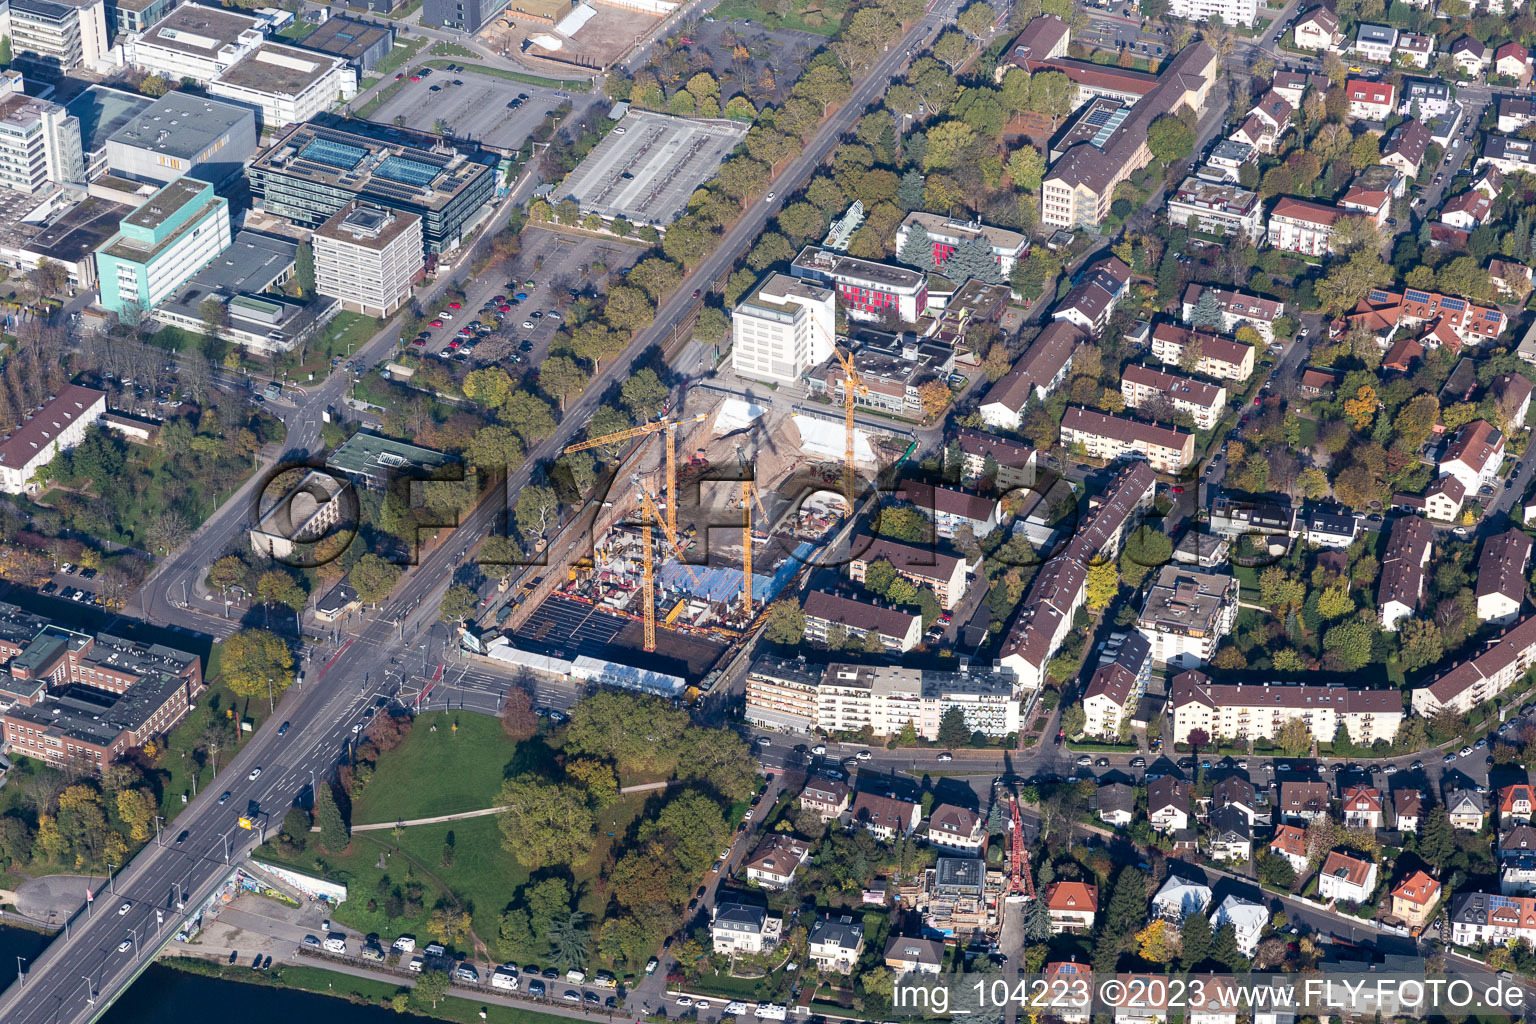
(850, 512)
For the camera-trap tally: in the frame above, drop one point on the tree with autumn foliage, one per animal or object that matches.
(1158, 942)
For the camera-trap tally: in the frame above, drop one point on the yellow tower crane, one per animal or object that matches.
(648, 571)
(853, 386)
(668, 428)
(748, 495)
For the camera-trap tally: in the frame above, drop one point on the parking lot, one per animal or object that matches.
(557, 264)
(73, 583)
(476, 108)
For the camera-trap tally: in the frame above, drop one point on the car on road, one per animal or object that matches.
(282, 730)
(1448, 758)
(946, 756)
(1138, 762)
(310, 940)
(1283, 768)
(1464, 751)
(1102, 762)
(685, 1001)
(1084, 761)
(592, 1000)
(771, 195)
(123, 909)
(234, 955)
(536, 989)
(1416, 766)
(224, 797)
(651, 965)
(436, 323)
(255, 774)
(358, 727)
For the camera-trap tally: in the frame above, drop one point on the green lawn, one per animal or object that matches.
(453, 50)
(479, 753)
(179, 765)
(579, 85)
(297, 31)
(402, 52)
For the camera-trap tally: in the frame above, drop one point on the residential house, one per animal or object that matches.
(1405, 148)
(1346, 877)
(1168, 804)
(1407, 809)
(1290, 842)
(1414, 899)
(1512, 394)
(956, 829)
(1432, 97)
(1402, 355)
(1509, 154)
(1402, 570)
(1466, 810)
(774, 863)
(1444, 498)
(1370, 100)
(1414, 50)
(887, 817)
(1501, 572)
(1274, 113)
(836, 942)
(1069, 976)
(1480, 917)
(828, 798)
(1237, 309)
(1513, 280)
(1072, 906)
(1474, 455)
(1517, 875)
(1093, 298)
(1302, 226)
(1515, 113)
(1293, 85)
(1329, 529)
(1466, 211)
(1179, 897)
(1361, 806)
(1222, 358)
(1231, 835)
(1318, 29)
(1516, 803)
(736, 928)
(1469, 56)
(1303, 802)
(1238, 793)
(907, 955)
(1141, 999)
(1247, 918)
(1117, 804)
(1513, 61)
(1375, 42)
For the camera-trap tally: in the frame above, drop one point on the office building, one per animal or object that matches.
(869, 290)
(286, 84)
(467, 16)
(368, 258)
(194, 41)
(184, 134)
(126, 17)
(316, 169)
(57, 427)
(371, 461)
(782, 329)
(56, 36)
(947, 234)
(159, 246)
(361, 44)
(39, 143)
(101, 111)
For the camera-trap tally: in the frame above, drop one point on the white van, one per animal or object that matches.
(416, 964)
(735, 1009)
(771, 1011)
(576, 977)
(335, 943)
(505, 978)
(406, 944)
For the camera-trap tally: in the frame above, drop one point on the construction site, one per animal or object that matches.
(713, 512)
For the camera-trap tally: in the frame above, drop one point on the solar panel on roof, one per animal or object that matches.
(411, 172)
(1414, 295)
(334, 154)
(1377, 295)
(1454, 303)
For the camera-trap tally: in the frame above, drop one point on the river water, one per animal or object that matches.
(162, 994)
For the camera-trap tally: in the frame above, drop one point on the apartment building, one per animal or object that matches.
(1095, 295)
(1375, 42)
(1303, 802)
(1479, 918)
(1168, 804)
(952, 509)
(1185, 615)
(1237, 310)
(1453, 320)
(1142, 386)
(1402, 570)
(1011, 463)
(1058, 589)
(948, 234)
(1302, 226)
(1370, 100)
(782, 329)
(1117, 685)
(1241, 711)
(195, 41)
(1318, 29)
(39, 144)
(1217, 208)
(1247, 918)
(1474, 455)
(900, 631)
(1103, 436)
(869, 290)
(1498, 665)
(1221, 358)
(1038, 372)
(57, 427)
(159, 246)
(1501, 573)
(1432, 97)
(369, 258)
(1509, 153)
(55, 36)
(1231, 12)
(942, 573)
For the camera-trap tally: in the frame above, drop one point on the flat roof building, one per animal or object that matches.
(194, 41)
(467, 16)
(648, 167)
(68, 237)
(286, 84)
(101, 111)
(361, 44)
(125, 17)
(159, 246)
(783, 329)
(184, 134)
(372, 461)
(39, 143)
(318, 168)
(52, 37)
(368, 258)
(869, 290)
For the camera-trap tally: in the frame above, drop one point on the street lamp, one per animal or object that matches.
(90, 992)
(21, 974)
